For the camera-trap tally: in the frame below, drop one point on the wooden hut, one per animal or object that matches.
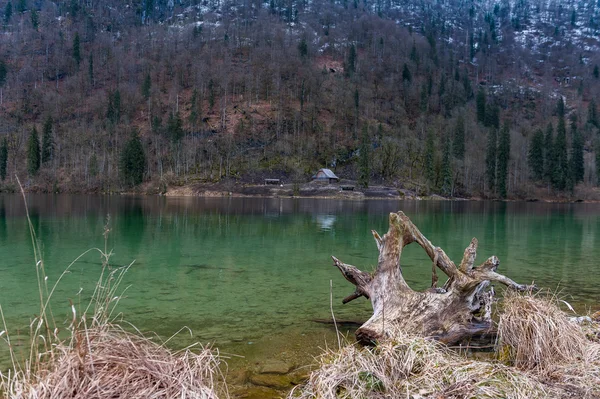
(326, 175)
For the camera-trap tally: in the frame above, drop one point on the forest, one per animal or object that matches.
(489, 99)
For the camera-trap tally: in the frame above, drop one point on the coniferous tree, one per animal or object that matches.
(175, 127)
(447, 180)
(492, 116)
(429, 158)
(77, 49)
(480, 100)
(490, 160)
(35, 19)
(8, 10)
(364, 172)
(535, 157)
(459, 138)
(560, 108)
(503, 158)
(133, 161)
(351, 64)
(33, 153)
(593, 113)
(406, 75)
(597, 150)
(596, 72)
(549, 161)
(3, 158)
(91, 68)
(47, 141)
(146, 86)
(577, 162)
(561, 161)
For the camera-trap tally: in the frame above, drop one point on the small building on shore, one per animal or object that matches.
(325, 175)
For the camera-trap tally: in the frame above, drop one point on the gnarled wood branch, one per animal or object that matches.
(459, 310)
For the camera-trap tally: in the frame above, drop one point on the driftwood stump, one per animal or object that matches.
(459, 310)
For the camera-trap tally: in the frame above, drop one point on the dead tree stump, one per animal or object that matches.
(459, 310)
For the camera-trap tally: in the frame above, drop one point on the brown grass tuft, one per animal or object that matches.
(412, 367)
(535, 335)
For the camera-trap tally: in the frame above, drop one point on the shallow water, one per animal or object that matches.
(251, 275)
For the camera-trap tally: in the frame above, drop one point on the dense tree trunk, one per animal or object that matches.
(459, 310)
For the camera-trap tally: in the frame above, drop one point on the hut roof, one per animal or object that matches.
(328, 173)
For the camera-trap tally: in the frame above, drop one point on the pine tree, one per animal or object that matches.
(480, 100)
(8, 10)
(560, 108)
(492, 116)
(490, 160)
(406, 75)
(91, 68)
(351, 64)
(133, 161)
(35, 19)
(459, 138)
(47, 141)
(77, 49)
(561, 161)
(577, 163)
(175, 127)
(549, 161)
(33, 153)
(593, 113)
(364, 167)
(3, 158)
(535, 157)
(596, 72)
(146, 86)
(429, 158)
(503, 159)
(303, 48)
(447, 179)
(597, 150)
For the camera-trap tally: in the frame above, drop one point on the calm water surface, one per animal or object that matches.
(250, 275)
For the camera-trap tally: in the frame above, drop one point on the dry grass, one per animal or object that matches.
(412, 367)
(96, 358)
(535, 335)
(543, 354)
(102, 360)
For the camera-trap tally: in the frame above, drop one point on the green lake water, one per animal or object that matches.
(251, 275)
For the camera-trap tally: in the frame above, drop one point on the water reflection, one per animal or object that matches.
(325, 222)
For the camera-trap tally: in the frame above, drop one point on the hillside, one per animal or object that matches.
(432, 96)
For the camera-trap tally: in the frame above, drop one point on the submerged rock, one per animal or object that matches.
(276, 367)
(276, 381)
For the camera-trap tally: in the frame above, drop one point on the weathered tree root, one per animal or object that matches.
(461, 309)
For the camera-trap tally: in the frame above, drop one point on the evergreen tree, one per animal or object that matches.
(133, 161)
(535, 157)
(33, 153)
(447, 179)
(175, 127)
(549, 161)
(3, 158)
(47, 141)
(113, 112)
(146, 86)
(492, 116)
(22, 6)
(593, 113)
(561, 161)
(406, 75)
(459, 138)
(429, 158)
(364, 167)
(560, 108)
(577, 163)
(8, 10)
(597, 150)
(503, 159)
(596, 72)
(77, 49)
(480, 100)
(91, 68)
(35, 19)
(351, 64)
(194, 108)
(490, 160)
(3, 73)
(303, 48)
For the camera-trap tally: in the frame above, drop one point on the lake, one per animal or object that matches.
(251, 275)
